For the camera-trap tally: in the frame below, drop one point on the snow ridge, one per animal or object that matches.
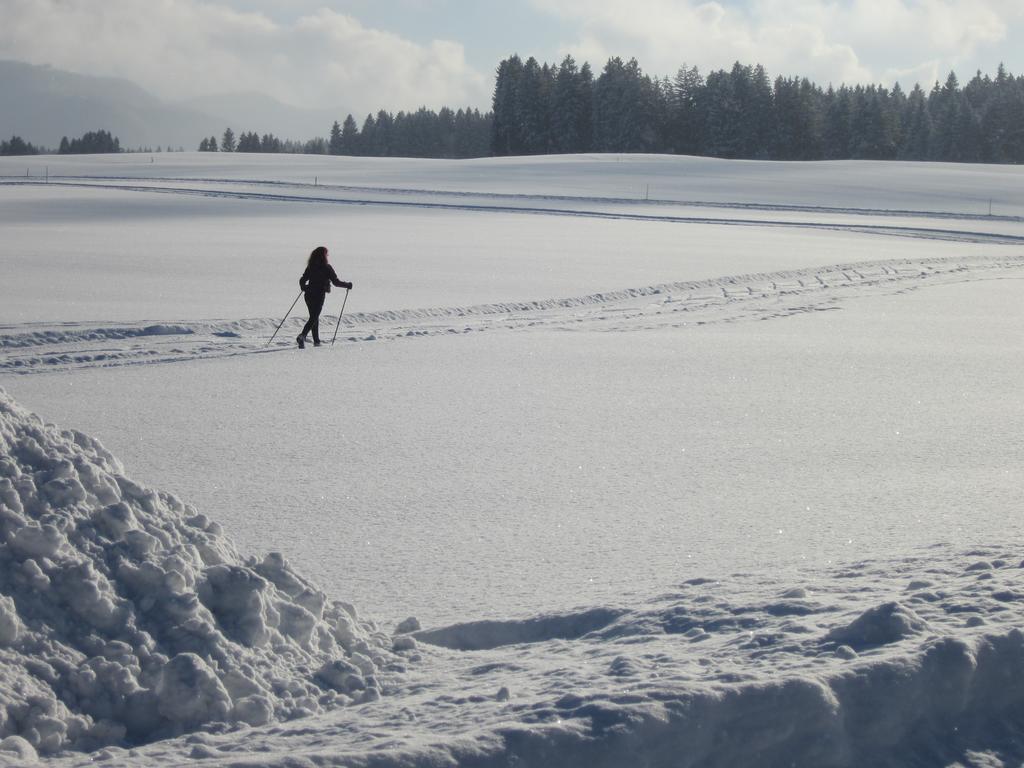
(112, 333)
(126, 616)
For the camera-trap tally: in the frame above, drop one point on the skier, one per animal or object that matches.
(316, 284)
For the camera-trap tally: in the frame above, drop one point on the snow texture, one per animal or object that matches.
(126, 616)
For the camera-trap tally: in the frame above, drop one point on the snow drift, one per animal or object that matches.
(126, 616)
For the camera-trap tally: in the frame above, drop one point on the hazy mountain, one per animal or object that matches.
(42, 104)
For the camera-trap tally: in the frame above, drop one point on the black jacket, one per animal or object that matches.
(318, 278)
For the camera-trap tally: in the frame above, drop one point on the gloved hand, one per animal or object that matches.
(347, 286)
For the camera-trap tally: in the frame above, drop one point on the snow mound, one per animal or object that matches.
(126, 616)
(881, 625)
(485, 635)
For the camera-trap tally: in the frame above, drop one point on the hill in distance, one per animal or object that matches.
(41, 104)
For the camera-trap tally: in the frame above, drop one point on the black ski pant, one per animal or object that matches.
(315, 303)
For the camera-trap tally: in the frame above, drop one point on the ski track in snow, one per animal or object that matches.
(35, 348)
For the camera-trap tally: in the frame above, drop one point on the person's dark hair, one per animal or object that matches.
(319, 256)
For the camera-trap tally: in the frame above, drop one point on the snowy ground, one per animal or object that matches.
(642, 463)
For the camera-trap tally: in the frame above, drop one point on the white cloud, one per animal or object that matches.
(826, 40)
(184, 48)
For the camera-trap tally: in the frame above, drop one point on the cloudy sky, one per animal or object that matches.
(400, 54)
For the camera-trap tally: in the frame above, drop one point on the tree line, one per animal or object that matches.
(741, 113)
(92, 142)
(18, 146)
(424, 133)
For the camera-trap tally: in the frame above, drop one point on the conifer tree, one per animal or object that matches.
(685, 127)
(722, 116)
(349, 139)
(531, 112)
(567, 104)
(507, 134)
(367, 139)
(917, 133)
(382, 135)
(334, 145)
(837, 124)
(756, 118)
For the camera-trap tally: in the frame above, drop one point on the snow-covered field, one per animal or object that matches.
(676, 461)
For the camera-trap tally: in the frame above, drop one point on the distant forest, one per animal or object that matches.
(741, 113)
(543, 109)
(424, 133)
(737, 113)
(93, 142)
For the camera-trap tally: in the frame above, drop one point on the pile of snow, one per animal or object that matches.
(125, 616)
(881, 625)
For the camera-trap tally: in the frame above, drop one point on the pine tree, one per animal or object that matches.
(685, 127)
(791, 118)
(367, 139)
(401, 142)
(837, 128)
(722, 116)
(585, 115)
(754, 92)
(349, 139)
(567, 104)
(784, 144)
(507, 133)
(227, 142)
(334, 144)
(531, 113)
(382, 135)
(917, 134)
(944, 104)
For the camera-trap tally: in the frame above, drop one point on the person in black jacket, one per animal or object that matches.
(316, 284)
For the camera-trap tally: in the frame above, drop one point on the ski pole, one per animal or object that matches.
(285, 317)
(343, 301)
